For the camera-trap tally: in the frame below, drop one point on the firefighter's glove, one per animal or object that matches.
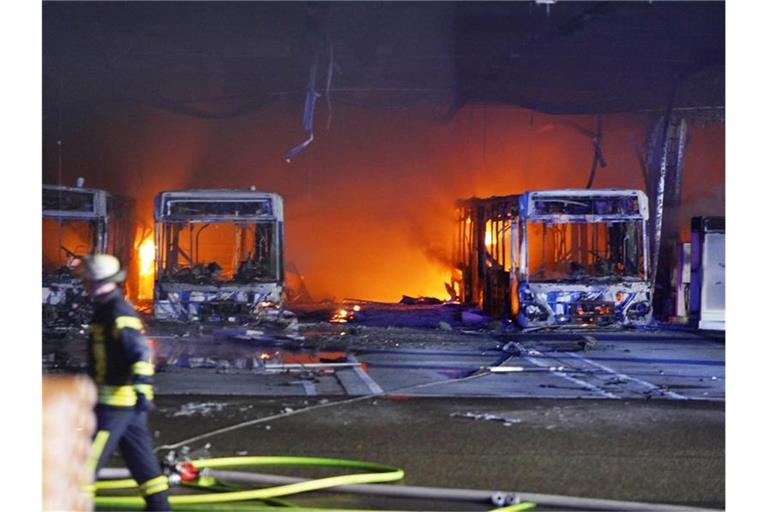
(145, 395)
(144, 404)
(143, 372)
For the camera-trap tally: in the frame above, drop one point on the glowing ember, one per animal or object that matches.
(343, 316)
(146, 268)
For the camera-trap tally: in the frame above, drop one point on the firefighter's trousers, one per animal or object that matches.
(126, 428)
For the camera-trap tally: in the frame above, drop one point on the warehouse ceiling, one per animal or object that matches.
(221, 59)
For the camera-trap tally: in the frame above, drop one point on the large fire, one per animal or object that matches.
(369, 205)
(146, 268)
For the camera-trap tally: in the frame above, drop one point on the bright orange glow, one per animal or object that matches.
(146, 268)
(370, 209)
(490, 236)
(341, 316)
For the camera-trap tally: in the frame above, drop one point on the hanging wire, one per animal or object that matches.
(329, 78)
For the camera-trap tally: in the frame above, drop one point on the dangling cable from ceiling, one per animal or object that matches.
(309, 112)
(329, 78)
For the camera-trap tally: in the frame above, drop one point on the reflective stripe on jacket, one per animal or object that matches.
(119, 358)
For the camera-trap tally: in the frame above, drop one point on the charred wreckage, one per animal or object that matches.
(78, 221)
(219, 255)
(551, 258)
(556, 257)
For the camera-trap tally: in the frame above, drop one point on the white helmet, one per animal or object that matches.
(101, 268)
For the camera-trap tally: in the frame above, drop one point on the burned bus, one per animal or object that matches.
(219, 254)
(557, 257)
(78, 221)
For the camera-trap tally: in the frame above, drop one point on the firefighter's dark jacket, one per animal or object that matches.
(119, 358)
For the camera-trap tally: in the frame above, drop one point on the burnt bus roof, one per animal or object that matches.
(80, 203)
(217, 205)
(482, 201)
(530, 204)
(523, 200)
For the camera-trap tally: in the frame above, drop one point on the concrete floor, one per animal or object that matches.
(656, 451)
(630, 415)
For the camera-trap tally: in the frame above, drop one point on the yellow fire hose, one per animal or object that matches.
(374, 473)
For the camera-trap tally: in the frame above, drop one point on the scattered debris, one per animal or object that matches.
(487, 417)
(514, 348)
(265, 333)
(588, 343)
(295, 287)
(201, 362)
(419, 300)
(201, 408)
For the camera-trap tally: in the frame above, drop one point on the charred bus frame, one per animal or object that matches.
(94, 221)
(557, 257)
(219, 254)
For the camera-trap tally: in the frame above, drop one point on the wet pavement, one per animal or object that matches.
(657, 451)
(631, 415)
(414, 362)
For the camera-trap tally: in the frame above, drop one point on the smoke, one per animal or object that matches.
(703, 192)
(370, 204)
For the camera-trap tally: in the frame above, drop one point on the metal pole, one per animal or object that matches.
(667, 230)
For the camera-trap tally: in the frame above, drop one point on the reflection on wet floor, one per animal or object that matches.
(244, 351)
(448, 359)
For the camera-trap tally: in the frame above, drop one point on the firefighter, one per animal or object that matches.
(119, 361)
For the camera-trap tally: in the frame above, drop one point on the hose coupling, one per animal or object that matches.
(502, 499)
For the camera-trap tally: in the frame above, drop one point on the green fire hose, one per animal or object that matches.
(373, 473)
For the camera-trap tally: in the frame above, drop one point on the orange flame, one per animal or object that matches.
(341, 316)
(146, 268)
